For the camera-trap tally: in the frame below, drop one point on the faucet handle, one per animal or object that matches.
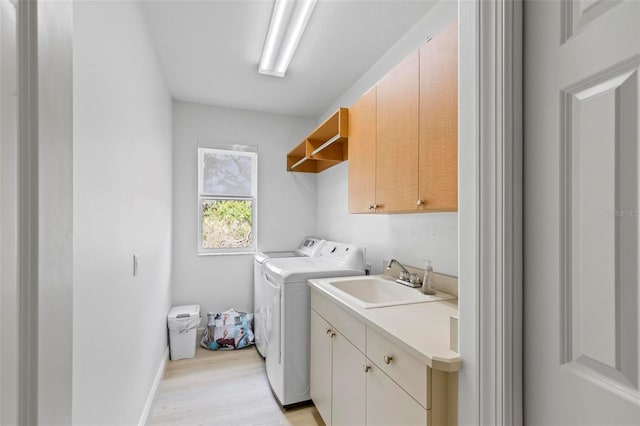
(415, 279)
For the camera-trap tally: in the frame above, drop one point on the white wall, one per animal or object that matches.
(122, 206)
(407, 237)
(286, 201)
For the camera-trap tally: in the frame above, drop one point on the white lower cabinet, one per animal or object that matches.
(349, 384)
(321, 357)
(359, 377)
(337, 375)
(388, 404)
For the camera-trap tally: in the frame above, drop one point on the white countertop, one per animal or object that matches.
(421, 329)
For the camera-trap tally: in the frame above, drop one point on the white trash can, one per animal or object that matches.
(183, 324)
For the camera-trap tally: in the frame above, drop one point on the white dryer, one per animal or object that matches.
(287, 358)
(310, 246)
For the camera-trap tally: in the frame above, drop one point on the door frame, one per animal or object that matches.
(27, 217)
(490, 212)
(45, 236)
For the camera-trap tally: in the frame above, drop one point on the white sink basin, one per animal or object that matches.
(376, 291)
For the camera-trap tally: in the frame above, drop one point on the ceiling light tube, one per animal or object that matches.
(288, 21)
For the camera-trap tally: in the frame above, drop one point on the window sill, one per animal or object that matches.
(233, 253)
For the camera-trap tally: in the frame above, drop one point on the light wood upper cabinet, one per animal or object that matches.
(403, 135)
(397, 137)
(438, 182)
(362, 147)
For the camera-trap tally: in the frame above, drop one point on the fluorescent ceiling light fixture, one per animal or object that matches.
(288, 21)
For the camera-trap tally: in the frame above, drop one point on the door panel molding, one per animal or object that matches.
(599, 305)
(579, 14)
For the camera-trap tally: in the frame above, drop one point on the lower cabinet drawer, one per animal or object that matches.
(388, 404)
(406, 370)
(349, 326)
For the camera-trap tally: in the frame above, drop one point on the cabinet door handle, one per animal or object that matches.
(330, 332)
(366, 368)
(387, 359)
(419, 203)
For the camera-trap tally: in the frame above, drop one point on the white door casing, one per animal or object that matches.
(27, 222)
(44, 235)
(490, 212)
(8, 214)
(581, 194)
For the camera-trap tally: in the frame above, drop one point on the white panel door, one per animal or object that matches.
(581, 198)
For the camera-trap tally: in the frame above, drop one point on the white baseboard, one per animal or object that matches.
(199, 335)
(144, 418)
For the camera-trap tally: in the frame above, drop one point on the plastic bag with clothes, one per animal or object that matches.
(228, 330)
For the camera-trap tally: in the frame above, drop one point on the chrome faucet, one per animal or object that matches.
(404, 275)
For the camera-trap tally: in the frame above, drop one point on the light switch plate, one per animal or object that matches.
(135, 265)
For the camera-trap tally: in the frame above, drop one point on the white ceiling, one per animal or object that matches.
(210, 50)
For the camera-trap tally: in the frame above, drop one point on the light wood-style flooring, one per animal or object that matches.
(223, 388)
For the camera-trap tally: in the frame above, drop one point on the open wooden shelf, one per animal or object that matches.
(326, 146)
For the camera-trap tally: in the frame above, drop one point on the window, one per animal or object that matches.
(227, 200)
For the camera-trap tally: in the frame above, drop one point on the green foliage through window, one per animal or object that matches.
(226, 224)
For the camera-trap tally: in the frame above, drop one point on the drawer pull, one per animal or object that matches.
(387, 359)
(366, 368)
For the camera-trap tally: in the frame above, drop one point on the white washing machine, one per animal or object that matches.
(287, 291)
(310, 246)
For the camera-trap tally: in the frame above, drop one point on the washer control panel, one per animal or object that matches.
(348, 255)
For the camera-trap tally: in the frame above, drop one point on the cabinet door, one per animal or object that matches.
(397, 144)
(389, 404)
(362, 153)
(320, 374)
(438, 182)
(349, 384)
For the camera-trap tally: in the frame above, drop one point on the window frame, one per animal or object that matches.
(243, 150)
